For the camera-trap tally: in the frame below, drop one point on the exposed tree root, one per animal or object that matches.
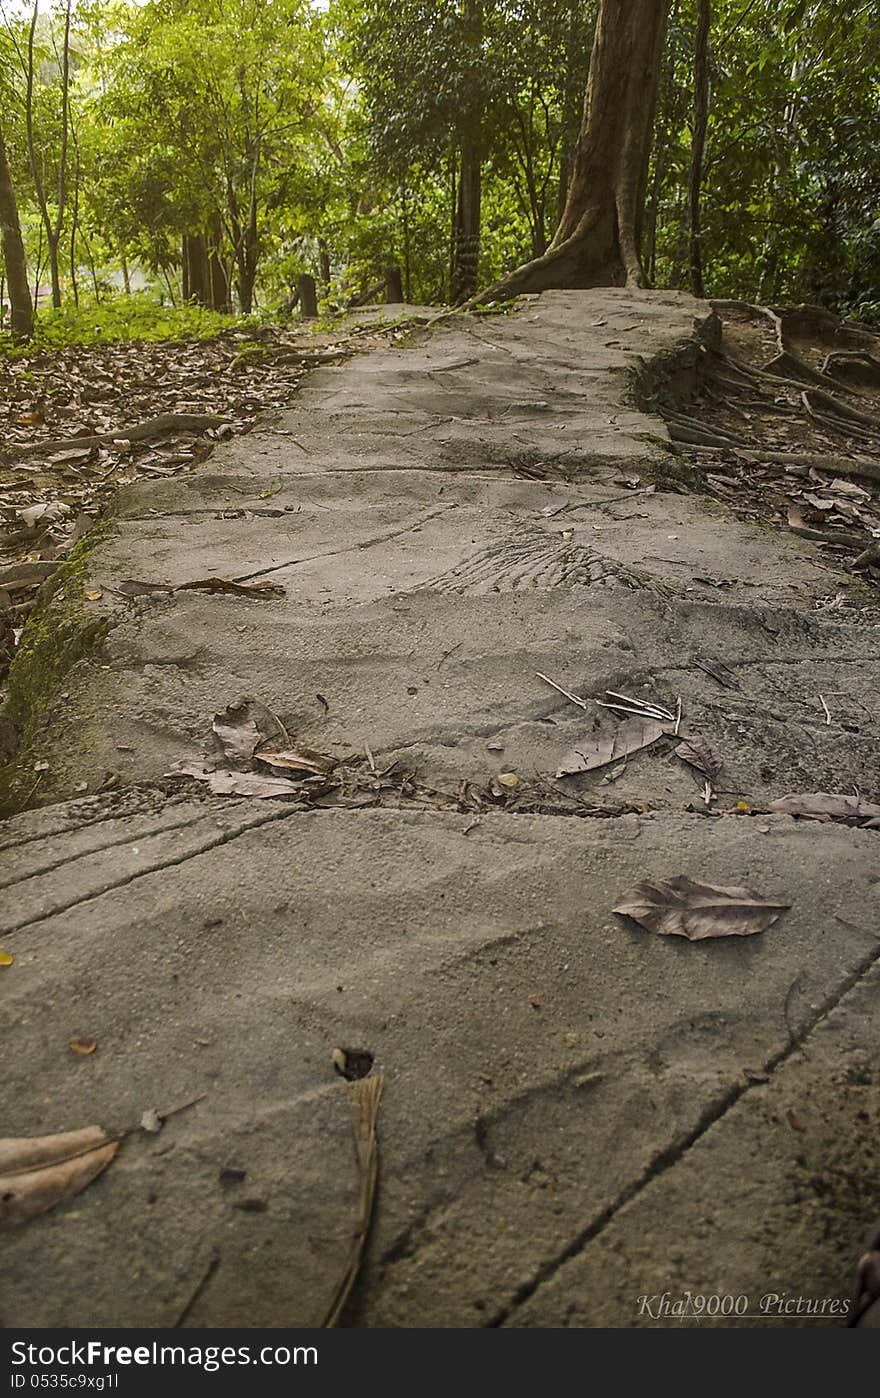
(792, 390)
(870, 555)
(167, 423)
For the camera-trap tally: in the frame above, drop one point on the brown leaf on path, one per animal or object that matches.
(135, 587)
(696, 752)
(824, 806)
(628, 737)
(83, 1046)
(257, 589)
(243, 726)
(682, 907)
(38, 1172)
(223, 781)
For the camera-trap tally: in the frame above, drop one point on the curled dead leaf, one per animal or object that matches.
(697, 753)
(302, 760)
(262, 588)
(242, 727)
(83, 1046)
(133, 587)
(682, 907)
(223, 781)
(38, 1172)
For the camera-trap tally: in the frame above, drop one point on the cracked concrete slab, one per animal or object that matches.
(446, 518)
(541, 1055)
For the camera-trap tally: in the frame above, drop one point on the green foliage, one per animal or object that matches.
(137, 317)
(328, 138)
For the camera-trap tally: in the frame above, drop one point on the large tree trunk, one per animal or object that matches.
(22, 309)
(598, 242)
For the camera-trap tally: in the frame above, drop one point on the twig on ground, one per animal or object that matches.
(575, 698)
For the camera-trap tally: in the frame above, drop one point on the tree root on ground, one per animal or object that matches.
(161, 426)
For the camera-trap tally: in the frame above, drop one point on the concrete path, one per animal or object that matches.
(576, 1112)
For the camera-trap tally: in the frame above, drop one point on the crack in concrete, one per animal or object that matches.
(351, 548)
(669, 1157)
(130, 838)
(172, 862)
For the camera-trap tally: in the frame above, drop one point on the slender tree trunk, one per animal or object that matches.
(466, 238)
(407, 260)
(195, 268)
(126, 279)
(21, 305)
(170, 285)
(90, 258)
(466, 232)
(54, 268)
(38, 273)
(698, 145)
(53, 225)
(598, 242)
(74, 230)
(218, 279)
(324, 261)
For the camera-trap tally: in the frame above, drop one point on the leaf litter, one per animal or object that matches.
(80, 422)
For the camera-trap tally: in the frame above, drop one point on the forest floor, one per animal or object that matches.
(360, 738)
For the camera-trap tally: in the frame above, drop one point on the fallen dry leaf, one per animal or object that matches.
(681, 907)
(302, 760)
(696, 752)
(821, 805)
(256, 589)
(133, 587)
(629, 737)
(38, 1172)
(242, 727)
(223, 781)
(83, 1046)
(6, 958)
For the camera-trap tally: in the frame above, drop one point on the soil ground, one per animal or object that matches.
(576, 1112)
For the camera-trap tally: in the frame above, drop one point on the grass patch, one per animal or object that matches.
(140, 316)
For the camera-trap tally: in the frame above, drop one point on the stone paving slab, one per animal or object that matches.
(446, 518)
(541, 1055)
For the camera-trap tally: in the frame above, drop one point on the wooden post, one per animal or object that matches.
(393, 285)
(308, 297)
